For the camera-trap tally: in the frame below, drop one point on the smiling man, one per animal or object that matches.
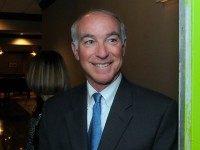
(108, 112)
(99, 46)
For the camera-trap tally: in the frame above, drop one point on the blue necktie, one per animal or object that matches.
(95, 124)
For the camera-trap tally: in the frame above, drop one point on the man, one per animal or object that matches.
(108, 112)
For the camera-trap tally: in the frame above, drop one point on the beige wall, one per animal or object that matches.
(151, 58)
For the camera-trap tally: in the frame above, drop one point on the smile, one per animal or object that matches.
(102, 65)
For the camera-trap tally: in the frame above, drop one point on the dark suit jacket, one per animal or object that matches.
(139, 119)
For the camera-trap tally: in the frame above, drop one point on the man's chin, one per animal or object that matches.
(100, 82)
(104, 81)
(101, 79)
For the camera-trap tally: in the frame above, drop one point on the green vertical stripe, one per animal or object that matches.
(187, 74)
(195, 116)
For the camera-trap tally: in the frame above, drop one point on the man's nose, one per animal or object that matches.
(102, 51)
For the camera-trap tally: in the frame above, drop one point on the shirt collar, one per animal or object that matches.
(107, 93)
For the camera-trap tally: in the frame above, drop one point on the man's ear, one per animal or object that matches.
(124, 47)
(75, 50)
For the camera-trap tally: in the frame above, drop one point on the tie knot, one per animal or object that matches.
(97, 97)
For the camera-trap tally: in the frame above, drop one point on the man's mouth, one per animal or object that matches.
(104, 65)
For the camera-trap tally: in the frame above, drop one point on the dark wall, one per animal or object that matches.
(16, 59)
(14, 63)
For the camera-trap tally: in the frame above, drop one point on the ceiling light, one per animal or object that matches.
(1, 127)
(21, 41)
(33, 53)
(1, 52)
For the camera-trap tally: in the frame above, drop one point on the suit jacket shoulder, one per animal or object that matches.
(141, 115)
(54, 131)
(64, 100)
(146, 95)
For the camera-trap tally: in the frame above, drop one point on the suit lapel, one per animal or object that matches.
(119, 117)
(77, 120)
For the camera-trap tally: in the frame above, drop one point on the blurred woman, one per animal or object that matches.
(46, 76)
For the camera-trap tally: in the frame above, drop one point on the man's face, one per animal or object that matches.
(99, 49)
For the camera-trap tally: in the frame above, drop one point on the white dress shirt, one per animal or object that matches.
(108, 95)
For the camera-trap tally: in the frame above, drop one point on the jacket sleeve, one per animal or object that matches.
(167, 134)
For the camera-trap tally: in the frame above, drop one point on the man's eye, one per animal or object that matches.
(89, 42)
(113, 40)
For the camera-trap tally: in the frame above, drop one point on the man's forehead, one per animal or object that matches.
(97, 23)
(98, 13)
(97, 17)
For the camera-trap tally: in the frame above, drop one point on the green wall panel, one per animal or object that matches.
(195, 115)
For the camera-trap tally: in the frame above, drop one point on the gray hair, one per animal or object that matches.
(122, 28)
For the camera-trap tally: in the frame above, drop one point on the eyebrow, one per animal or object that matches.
(113, 33)
(86, 36)
(92, 36)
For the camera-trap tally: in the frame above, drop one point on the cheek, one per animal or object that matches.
(118, 54)
(85, 53)
(118, 59)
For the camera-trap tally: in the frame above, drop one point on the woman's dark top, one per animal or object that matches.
(33, 132)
